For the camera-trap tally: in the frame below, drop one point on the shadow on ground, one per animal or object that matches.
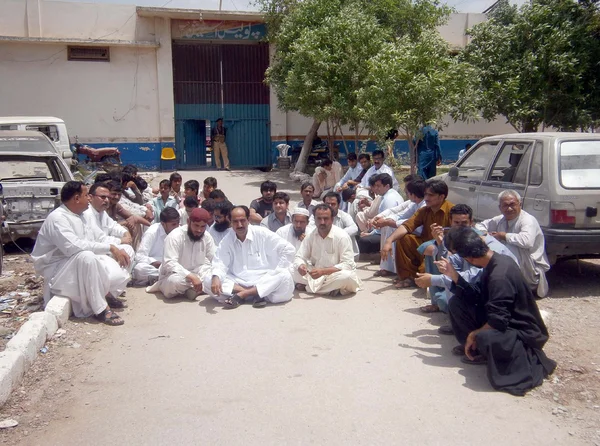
(567, 279)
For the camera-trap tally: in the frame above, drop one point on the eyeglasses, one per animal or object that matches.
(102, 197)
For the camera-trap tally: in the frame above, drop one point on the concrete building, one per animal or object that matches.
(143, 78)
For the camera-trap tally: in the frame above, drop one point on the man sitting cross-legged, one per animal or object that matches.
(150, 253)
(409, 260)
(498, 321)
(296, 231)
(222, 223)
(73, 258)
(324, 264)
(263, 206)
(340, 218)
(281, 215)
(96, 215)
(251, 265)
(187, 255)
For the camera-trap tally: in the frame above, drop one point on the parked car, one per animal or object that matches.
(557, 174)
(31, 177)
(54, 128)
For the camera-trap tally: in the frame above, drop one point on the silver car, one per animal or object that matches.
(31, 177)
(557, 174)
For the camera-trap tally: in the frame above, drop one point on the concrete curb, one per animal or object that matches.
(23, 348)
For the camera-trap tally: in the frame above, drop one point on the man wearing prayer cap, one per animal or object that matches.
(188, 254)
(295, 231)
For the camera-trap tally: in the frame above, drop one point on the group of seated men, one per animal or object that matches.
(194, 242)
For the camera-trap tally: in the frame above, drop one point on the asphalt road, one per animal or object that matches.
(363, 370)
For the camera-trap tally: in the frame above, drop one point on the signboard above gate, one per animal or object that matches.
(218, 30)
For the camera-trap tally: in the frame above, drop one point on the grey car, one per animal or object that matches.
(557, 174)
(31, 177)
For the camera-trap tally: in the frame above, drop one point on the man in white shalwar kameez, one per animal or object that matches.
(74, 258)
(188, 254)
(521, 233)
(95, 215)
(296, 231)
(150, 253)
(340, 219)
(377, 168)
(251, 265)
(324, 264)
(222, 224)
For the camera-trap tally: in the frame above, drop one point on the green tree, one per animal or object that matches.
(322, 49)
(538, 65)
(413, 82)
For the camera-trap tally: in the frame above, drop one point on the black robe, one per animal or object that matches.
(513, 347)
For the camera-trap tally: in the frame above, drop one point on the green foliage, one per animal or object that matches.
(539, 65)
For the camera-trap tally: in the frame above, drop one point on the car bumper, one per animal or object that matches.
(570, 242)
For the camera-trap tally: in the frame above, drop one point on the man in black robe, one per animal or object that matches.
(497, 320)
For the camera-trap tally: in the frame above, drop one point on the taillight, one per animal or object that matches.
(562, 213)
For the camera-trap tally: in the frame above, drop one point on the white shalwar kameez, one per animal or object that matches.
(373, 171)
(335, 250)
(525, 239)
(114, 231)
(73, 258)
(262, 260)
(218, 236)
(183, 256)
(287, 233)
(150, 250)
(344, 221)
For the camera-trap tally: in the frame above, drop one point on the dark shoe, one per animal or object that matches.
(259, 302)
(335, 293)
(113, 302)
(109, 317)
(458, 350)
(233, 302)
(446, 330)
(477, 360)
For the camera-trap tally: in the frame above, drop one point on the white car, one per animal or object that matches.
(32, 175)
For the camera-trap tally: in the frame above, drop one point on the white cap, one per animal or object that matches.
(301, 211)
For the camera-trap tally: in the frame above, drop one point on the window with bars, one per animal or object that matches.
(89, 53)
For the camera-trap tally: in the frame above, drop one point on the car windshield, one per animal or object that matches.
(24, 144)
(580, 164)
(24, 169)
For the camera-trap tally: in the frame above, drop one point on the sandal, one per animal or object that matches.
(383, 273)
(458, 350)
(430, 309)
(477, 360)
(300, 287)
(109, 317)
(259, 302)
(113, 302)
(406, 283)
(233, 302)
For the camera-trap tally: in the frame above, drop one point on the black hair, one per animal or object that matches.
(244, 208)
(372, 180)
(169, 214)
(385, 179)
(164, 182)
(95, 186)
(114, 186)
(364, 156)
(211, 181)
(282, 196)
(378, 152)
(190, 202)
(140, 183)
(130, 169)
(322, 207)
(461, 209)
(351, 156)
(219, 119)
(191, 184)
(224, 207)
(103, 176)
(268, 185)
(209, 204)
(465, 242)
(70, 189)
(305, 185)
(126, 177)
(217, 194)
(412, 177)
(332, 194)
(175, 177)
(347, 193)
(326, 162)
(438, 187)
(417, 188)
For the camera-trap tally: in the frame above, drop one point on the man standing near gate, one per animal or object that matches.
(218, 135)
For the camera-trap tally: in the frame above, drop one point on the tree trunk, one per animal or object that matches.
(307, 146)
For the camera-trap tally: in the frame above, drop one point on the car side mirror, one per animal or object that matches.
(453, 172)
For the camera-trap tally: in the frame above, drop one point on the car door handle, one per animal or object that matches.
(471, 188)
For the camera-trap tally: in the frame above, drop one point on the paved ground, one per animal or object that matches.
(364, 370)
